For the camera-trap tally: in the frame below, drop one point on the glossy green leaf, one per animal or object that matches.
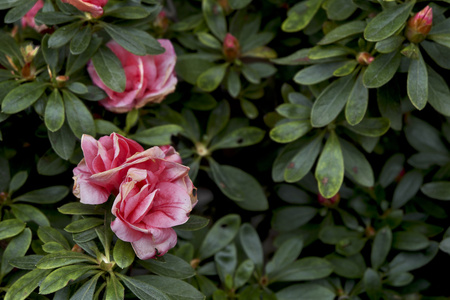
(305, 291)
(290, 131)
(10, 228)
(408, 261)
(17, 247)
(417, 84)
(143, 290)
(129, 12)
(23, 96)
(252, 245)
(173, 267)
(242, 137)
(83, 225)
(317, 73)
(331, 101)
(339, 9)
(334, 234)
(226, 262)
(54, 111)
(284, 256)
(81, 40)
(26, 262)
(308, 268)
(17, 181)
(157, 136)
(294, 111)
(63, 35)
(25, 285)
(61, 277)
(437, 52)
(243, 273)
(47, 195)
(239, 186)
(372, 284)
(109, 69)
(49, 234)
(78, 116)
(25, 213)
(194, 223)
(423, 137)
(63, 141)
(343, 31)
(77, 62)
(356, 165)
(390, 44)
(211, 78)
(123, 254)
(409, 241)
(292, 217)
(191, 66)
(437, 190)
(381, 70)
(53, 17)
(301, 16)
(19, 11)
(125, 38)
(348, 267)
(63, 258)
(114, 289)
(215, 18)
(388, 97)
(388, 22)
(330, 167)
(372, 127)
(438, 93)
(87, 290)
(302, 159)
(407, 188)
(174, 288)
(357, 103)
(220, 235)
(329, 51)
(391, 169)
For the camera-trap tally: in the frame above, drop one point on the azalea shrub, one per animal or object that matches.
(224, 149)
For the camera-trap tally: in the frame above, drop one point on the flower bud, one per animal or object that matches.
(420, 25)
(161, 22)
(231, 47)
(329, 202)
(364, 58)
(94, 7)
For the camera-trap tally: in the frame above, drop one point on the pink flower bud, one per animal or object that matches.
(364, 58)
(420, 25)
(329, 202)
(94, 7)
(231, 47)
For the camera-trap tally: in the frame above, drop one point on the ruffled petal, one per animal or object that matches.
(157, 243)
(124, 232)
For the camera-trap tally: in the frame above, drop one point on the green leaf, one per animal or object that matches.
(194, 223)
(53, 17)
(123, 254)
(346, 69)
(63, 35)
(372, 284)
(157, 136)
(372, 127)
(329, 51)
(417, 84)
(47, 195)
(143, 290)
(301, 15)
(218, 119)
(17, 181)
(357, 103)
(390, 44)
(348, 267)
(211, 78)
(23, 96)
(54, 111)
(26, 262)
(308, 268)
(252, 245)
(27, 213)
(381, 246)
(48, 234)
(83, 225)
(25, 285)
(339, 9)
(225, 262)
(356, 165)
(242, 137)
(209, 40)
(215, 18)
(408, 261)
(220, 235)
(61, 277)
(125, 38)
(52, 247)
(305, 291)
(343, 31)
(407, 188)
(19, 11)
(409, 241)
(81, 40)
(87, 290)
(239, 4)
(437, 52)
(303, 157)
(239, 186)
(388, 97)
(64, 258)
(331, 101)
(294, 111)
(317, 73)
(76, 62)
(128, 12)
(423, 137)
(335, 234)
(10, 47)
(284, 256)
(173, 267)
(243, 273)
(109, 69)
(437, 190)
(292, 217)
(51, 56)
(391, 169)
(63, 141)
(350, 246)
(10, 228)
(105, 127)
(382, 69)
(174, 288)
(191, 66)
(399, 280)
(445, 245)
(78, 116)
(388, 22)
(17, 247)
(330, 167)
(78, 88)
(438, 93)
(233, 83)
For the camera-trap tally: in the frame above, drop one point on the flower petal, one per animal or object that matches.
(157, 243)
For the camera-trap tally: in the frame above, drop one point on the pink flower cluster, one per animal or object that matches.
(149, 78)
(153, 190)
